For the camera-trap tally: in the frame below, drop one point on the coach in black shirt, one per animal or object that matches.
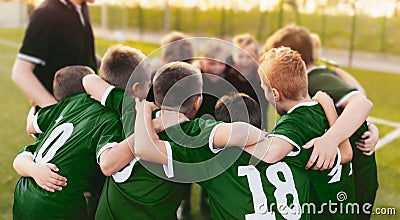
(59, 34)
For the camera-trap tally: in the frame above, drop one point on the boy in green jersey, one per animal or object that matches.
(130, 191)
(300, 121)
(71, 133)
(226, 173)
(352, 105)
(331, 65)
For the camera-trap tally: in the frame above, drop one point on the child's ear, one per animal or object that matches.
(200, 64)
(276, 94)
(197, 102)
(135, 89)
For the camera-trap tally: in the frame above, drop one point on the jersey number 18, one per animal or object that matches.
(283, 189)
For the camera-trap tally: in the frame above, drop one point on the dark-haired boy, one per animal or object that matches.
(72, 132)
(130, 190)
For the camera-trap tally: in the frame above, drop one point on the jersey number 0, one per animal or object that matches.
(58, 137)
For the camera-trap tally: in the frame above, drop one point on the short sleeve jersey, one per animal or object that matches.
(301, 124)
(135, 192)
(116, 100)
(365, 170)
(73, 131)
(58, 36)
(239, 186)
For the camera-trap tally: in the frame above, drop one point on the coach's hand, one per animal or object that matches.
(323, 155)
(46, 177)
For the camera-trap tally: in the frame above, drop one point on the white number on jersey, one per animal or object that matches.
(283, 188)
(336, 171)
(63, 132)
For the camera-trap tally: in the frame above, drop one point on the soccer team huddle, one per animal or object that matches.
(142, 126)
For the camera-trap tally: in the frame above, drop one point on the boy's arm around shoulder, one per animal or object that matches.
(239, 134)
(112, 152)
(117, 157)
(271, 149)
(356, 110)
(95, 86)
(330, 111)
(147, 144)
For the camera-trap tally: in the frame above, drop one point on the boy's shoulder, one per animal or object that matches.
(199, 125)
(301, 112)
(67, 103)
(319, 69)
(84, 104)
(195, 124)
(196, 132)
(301, 124)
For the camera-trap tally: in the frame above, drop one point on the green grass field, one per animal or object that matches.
(382, 90)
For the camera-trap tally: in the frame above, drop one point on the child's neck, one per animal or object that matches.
(170, 118)
(289, 104)
(310, 66)
(76, 2)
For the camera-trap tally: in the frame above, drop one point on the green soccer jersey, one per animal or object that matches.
(135, 192)
(239, 186)
(334, 187)
(116, 100)
(365, 170)
(72, 132)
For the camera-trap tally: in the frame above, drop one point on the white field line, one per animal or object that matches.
(388, 137)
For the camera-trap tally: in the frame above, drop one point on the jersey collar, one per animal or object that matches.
(315, 68)
(311, 103)
(78, 8)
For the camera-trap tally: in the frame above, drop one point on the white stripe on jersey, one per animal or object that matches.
(32, 59)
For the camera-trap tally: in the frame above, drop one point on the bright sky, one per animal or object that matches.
(374, 8)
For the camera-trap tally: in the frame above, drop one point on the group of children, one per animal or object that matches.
(149, 151)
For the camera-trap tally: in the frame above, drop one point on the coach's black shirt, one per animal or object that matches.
(58, 36)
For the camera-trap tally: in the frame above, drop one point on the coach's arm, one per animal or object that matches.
(25, 79)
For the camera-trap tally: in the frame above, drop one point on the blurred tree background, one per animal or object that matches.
(364, 25)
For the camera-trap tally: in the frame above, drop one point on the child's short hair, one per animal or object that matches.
(297, 38)
(68, 81)
(229, 108)
(176, 85)
(213, 50)
(244, 40)
(176, 47)
(285, 71)
(316, 45)
(118, 64)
